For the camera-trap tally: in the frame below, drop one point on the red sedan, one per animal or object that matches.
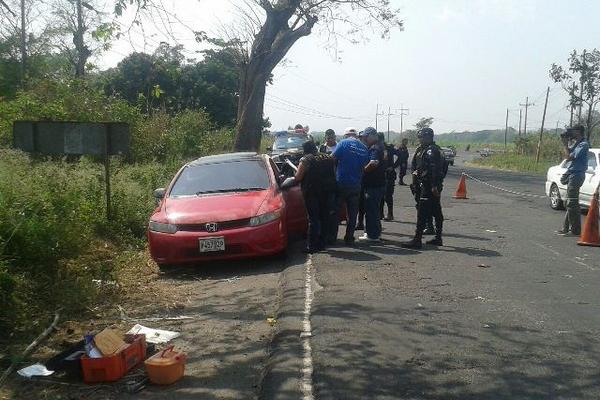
(227, 206)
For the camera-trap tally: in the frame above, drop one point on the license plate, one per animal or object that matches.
(212, 244)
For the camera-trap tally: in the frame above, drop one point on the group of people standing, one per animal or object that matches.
(356, 178)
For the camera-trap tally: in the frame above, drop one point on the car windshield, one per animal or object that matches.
(232, 176)
(288, 142)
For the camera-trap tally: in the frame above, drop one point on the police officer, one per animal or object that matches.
(428, 179)
(402, 163)
(391, 161)
(316, 174)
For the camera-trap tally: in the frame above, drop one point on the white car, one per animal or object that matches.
(556, 191)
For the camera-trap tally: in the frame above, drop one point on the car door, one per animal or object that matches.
(295, 212)
(591, 180)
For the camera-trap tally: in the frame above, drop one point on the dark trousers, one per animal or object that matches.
(348, 196)
(388, 197)
(402, 172)
(573, 215)
(373, 197)
(361, 207)
(321, 211)
(428, 208)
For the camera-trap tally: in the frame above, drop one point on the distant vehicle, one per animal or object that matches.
(449, 154)
(228, 206)
(486, 152)
(289, 143)
(557, 192)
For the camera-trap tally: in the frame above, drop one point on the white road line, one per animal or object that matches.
(556, 253)
(307, 367)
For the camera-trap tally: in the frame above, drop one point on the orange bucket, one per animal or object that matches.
(166, 367)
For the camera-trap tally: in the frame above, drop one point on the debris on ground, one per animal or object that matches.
(155, 336)
(34, 370)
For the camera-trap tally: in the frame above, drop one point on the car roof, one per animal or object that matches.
(225, 158)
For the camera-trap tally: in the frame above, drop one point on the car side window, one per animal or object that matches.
(592, 164)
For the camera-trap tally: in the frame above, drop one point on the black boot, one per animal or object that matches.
(390, 214)
(415, 243)
(437, 241)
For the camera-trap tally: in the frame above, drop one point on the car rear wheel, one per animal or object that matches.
(555, 201)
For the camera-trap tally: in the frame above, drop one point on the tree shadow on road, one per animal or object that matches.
(393, 352)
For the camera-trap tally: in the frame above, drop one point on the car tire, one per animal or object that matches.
(556, 202)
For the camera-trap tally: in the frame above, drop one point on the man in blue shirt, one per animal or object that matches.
(577, 154)
(351, 156)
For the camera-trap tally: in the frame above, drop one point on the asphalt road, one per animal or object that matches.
(505, 310)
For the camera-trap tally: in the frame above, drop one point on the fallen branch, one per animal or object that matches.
(30, 349)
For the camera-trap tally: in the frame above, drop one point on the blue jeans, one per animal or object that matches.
(373, 197)
(348, 195)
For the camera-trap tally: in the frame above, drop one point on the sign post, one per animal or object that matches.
(75, 138)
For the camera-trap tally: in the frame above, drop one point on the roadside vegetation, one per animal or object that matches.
(57, 249)
(521, 156)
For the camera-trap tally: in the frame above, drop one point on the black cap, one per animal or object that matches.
(425, 132)
(330, 132)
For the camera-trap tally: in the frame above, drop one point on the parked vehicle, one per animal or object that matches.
(449, 154)
(227, 206)
(557, 192)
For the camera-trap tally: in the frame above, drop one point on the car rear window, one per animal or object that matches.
(289, 142)
(232, 176)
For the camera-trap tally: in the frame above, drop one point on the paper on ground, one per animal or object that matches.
(35, 370)
(153, 335)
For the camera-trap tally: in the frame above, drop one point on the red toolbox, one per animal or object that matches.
(113, 368)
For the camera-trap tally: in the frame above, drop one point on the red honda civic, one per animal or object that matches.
(227, 206)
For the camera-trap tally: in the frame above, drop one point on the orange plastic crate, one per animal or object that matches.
(113, 368)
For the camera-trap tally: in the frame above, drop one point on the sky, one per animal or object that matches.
(462, 62)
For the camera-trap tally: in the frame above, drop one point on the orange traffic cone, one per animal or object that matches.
(590, 235)
(461, 191)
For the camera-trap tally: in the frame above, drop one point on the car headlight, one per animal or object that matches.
(161, 227)
(265, 218)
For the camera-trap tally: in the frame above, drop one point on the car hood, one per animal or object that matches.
(214, 208)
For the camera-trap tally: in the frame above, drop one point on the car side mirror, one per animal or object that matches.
(288, 183)
(159, 194)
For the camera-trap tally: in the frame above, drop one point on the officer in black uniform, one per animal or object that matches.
(402, 163)
(392, 161)
(428, 177)
(316, 174)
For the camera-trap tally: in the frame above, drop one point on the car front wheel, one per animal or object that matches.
(555, 201)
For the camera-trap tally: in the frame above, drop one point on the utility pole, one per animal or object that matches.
(539, 146)
(389, 114)
(526, 105)
(520, 118)
(402, 114)
(556, 131)
(377, 116)
(506, 130)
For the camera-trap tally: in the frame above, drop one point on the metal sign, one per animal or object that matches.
(79, 138)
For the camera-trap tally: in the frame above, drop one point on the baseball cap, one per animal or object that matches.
(350, 132)
(330, 133)
(370, 131)
(425, 132)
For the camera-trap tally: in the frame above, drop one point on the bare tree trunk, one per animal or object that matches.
(250, 110)
(83, 52)
(589, 119)
(23, 45)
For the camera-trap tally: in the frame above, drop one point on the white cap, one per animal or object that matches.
(350, 132)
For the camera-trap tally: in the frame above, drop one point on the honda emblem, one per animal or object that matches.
(212, 227)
